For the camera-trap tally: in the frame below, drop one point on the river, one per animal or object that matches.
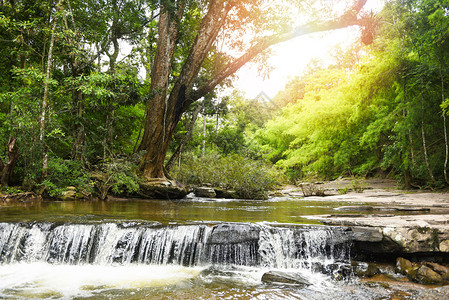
(185, 249)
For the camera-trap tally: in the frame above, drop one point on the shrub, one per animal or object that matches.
(248, 178)
(63, 173)
(118, 177)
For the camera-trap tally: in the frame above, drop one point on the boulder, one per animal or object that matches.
(403, 265)
(203, 191)
(230, 233)
(367, 234)
(425, 275)
(365, 269)
(285, 278)
(70, 194)
(442, 270)
(162, 189)
(223, 193)
(414, 239)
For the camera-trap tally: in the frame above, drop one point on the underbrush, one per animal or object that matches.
(250, 179)
(113, 176)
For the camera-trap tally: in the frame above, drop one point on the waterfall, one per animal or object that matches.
(260, 245)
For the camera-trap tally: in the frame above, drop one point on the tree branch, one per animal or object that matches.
(349, 18)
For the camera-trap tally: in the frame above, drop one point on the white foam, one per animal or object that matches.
(67, 281)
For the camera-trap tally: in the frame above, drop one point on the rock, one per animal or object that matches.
(70, 194)
(444, 246)
(409, 208)
(223, 193)
(425, 275)
(217, 272)
(354, 208)
(365, 269)
(403, 265)
(276, 194)
(367, 234)
(234, 233)
(162, 189)
(413, 240)
(442, 270)
(203, 191)
(285, 278)
(20, 197)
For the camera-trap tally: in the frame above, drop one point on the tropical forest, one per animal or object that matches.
(77, 82)
(122, 122)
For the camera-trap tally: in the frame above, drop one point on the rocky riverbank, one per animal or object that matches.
(410, 228)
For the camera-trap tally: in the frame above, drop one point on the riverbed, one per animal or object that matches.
(67, 250)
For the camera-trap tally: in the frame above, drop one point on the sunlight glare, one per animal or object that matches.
(292, 57)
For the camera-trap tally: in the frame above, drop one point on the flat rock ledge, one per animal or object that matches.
(390, 236)
(222, 193)
(162, 189)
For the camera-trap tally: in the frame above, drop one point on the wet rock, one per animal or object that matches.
(409, 208)
(424, 275)
(442, 270)
(234, 233)
(367, 234)
(403, 265)
(203, 191)
(216, 272)
(285, 278)
(365, 269)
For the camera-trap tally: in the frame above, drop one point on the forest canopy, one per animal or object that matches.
(109, 90)
(379, 110)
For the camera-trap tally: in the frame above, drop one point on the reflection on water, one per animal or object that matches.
(282, 210)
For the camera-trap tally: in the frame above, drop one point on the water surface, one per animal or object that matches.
(190, 210)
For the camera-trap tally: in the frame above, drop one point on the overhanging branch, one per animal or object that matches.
(349, 18)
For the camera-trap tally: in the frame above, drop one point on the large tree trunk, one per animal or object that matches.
(155, 139)
(164, 111)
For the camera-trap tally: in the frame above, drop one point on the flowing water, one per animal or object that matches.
(190, 249)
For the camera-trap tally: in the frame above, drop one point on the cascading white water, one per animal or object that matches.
(187, 245)
(311, 248)
(83, 260)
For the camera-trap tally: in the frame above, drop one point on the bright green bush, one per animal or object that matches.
(248, 178)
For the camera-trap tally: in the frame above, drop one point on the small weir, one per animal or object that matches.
(153, 261)
(195, 249)
(227, 244)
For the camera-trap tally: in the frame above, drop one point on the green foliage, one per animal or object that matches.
(65, 173)
(121, 177)
(249, 178)
(374, 114)
(10, 190)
